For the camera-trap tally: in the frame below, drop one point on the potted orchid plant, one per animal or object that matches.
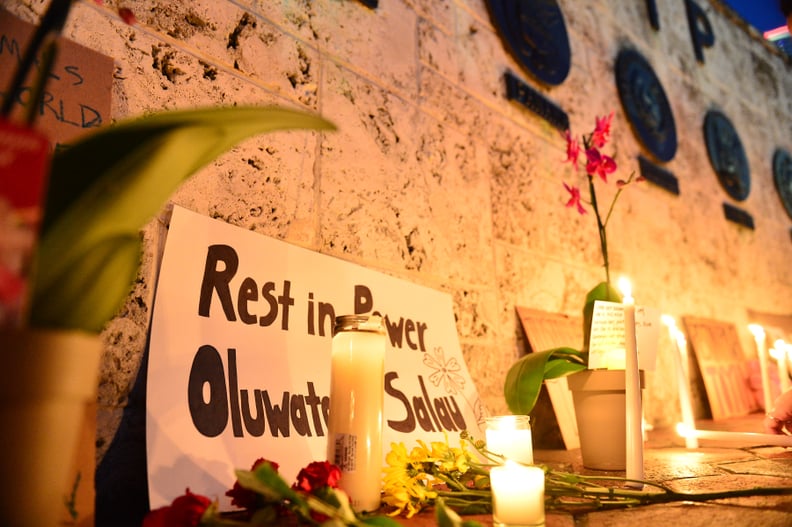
(525, 377)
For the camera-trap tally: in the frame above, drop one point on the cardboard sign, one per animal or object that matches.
(239, 364)
(606, 347)
(78, 91)
(778, 324)
(546, 331)
(723, 366)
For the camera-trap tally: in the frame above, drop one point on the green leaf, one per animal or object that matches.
(562, 367)
(266, 481)
(332, 502)
(380, 521)
(524, 378)
(84, 291)
(110, 183)
(445, 516)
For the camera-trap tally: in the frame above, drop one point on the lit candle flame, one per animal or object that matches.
(757, 330)
(684, 430)
(669, 321)
(626, 289)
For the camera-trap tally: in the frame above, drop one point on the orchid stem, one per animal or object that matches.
(601, 227)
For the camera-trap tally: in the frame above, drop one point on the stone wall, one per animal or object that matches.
(435, 177)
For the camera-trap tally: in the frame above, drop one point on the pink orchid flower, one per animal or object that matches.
(572, 149)
(574, 198)
(599, 164)
(601, 132)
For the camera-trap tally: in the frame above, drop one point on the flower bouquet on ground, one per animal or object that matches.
(457, 479)
(524, 378)
(264, 498)
(454, 481)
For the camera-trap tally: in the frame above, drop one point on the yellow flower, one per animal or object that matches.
(406, 487)
(421, 453)
(450, 459)
(458, 460)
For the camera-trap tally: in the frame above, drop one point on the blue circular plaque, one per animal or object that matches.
(782, 176)
(727, 156)
(535, 35)
(646, 105)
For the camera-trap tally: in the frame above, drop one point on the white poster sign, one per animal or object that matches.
(239, 361)
(606, 348)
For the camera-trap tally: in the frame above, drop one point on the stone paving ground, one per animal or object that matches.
(715, 466)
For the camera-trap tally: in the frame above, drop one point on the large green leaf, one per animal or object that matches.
(524, 378)
(86, 293)
(109, 184)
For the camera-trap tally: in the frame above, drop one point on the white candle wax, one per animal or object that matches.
(355, 416)
(761, 351)
(684, 388)
(634, 440)
(744, 438)
(781, 359)
(510, 436)
(683, 382)
(517, 495)
(788, 350)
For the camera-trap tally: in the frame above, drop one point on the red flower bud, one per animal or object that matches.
(185, 511)
(316, 475)
(245, 498)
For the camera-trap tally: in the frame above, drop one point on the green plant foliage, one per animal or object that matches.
(106, 187)
(524, 378)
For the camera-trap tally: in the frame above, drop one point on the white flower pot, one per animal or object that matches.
(46, 379)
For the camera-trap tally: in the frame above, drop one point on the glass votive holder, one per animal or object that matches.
(517, 495)
(510, 436)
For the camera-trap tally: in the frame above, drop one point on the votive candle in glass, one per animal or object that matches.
(517, 495)
(510, 436)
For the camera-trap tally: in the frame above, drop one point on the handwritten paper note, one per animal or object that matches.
(606, 349)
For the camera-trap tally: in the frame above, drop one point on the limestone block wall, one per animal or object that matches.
(435, 177)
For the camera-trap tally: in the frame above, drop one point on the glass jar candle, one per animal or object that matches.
(510, 436)
(354, 430)
(517, 495)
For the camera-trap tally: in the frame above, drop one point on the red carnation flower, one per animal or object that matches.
(185, 511)
(317, 478)
(245, 498)
(317, 475)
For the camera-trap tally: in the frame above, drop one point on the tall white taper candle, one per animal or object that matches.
(781, 357)
(683, 380)
(634, 461)
(761, 351)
